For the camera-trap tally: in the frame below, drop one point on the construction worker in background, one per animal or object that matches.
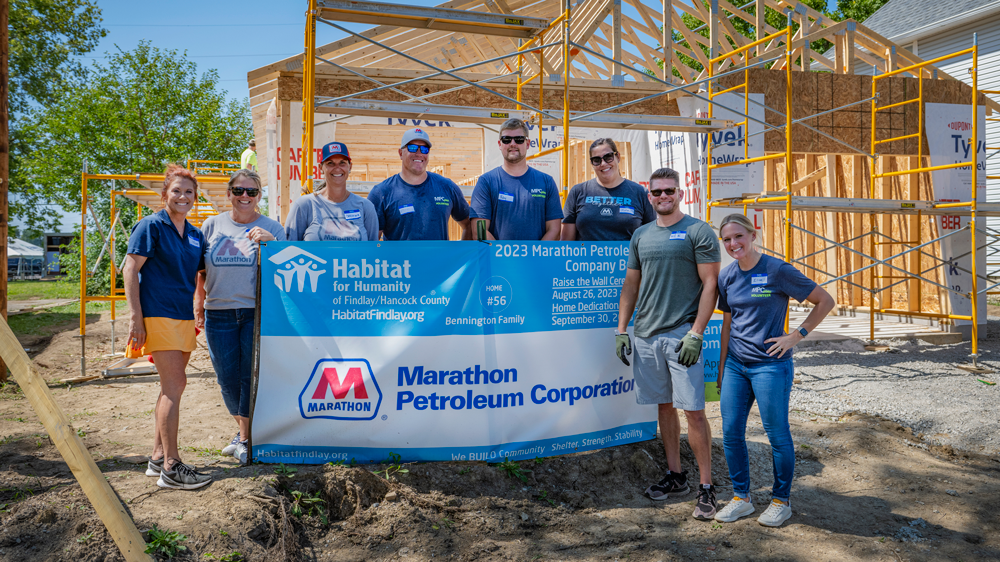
(415, 204)
(248, 160)
(514, 201)
(673, 269)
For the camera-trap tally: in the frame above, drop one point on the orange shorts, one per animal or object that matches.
(165, 334)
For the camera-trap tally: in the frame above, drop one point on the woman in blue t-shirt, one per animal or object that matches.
(757, 362)
(165, 254)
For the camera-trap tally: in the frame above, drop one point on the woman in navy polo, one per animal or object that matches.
(757, 362)
(165, 254)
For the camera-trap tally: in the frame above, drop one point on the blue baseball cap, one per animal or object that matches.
(335, 149)
(415, 134)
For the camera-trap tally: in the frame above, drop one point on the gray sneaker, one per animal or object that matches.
(153, 468)
(240, 453)
(705, 507)
(228, 449)
(182, 477)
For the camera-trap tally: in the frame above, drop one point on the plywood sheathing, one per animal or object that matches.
(815, 92)
(375, 157)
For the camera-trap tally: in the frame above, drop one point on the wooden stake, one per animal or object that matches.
(74, 452)
(4, 166)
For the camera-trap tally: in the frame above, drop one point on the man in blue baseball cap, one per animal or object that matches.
(334, 213)
(415, 204)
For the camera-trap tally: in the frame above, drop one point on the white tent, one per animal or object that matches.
(26, 255)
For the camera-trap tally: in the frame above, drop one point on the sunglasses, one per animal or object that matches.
(251, 191)
(517, 140)
(609, 157)
(658, 192)
(413, 148)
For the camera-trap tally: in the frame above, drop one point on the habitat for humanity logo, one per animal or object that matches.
(341, 389)
(295, 266)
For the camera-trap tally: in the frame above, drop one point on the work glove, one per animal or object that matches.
(623, 347)
(688, 349)
(481, 231)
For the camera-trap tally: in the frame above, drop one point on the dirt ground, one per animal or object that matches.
(865, 489)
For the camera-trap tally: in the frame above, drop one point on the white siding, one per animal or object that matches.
(988, 31)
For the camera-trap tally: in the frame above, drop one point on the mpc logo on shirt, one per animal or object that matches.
(227, 251)
(441, 200)
(341, 389)
(297, 270)
(538, 192)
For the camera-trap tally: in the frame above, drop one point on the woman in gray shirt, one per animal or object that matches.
(225, 300)
(334, 213)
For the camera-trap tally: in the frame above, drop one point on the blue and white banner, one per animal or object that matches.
(444, 351)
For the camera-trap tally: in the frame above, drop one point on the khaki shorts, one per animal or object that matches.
(660, 379)
(165, 334)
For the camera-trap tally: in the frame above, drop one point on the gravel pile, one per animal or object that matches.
(915, 384)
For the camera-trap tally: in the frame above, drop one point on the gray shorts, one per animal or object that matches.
(660, 379)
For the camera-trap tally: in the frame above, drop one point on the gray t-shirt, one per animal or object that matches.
(607, 215)
(231, 261)
(314, 218)
(668, 259)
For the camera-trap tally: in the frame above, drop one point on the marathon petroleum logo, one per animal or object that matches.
(297, 270)
(227, 251)
(341, 389)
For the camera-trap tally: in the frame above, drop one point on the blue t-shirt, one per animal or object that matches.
(517, 207)
(417, 212)
(167, 278)
(758, 301)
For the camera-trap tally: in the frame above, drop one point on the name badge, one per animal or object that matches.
(353, 214)
(758, 280)
(679, 235)
(506, 197)
(194, 241)
(405, 209)
(626, 210)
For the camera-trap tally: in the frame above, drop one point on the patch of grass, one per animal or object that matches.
(167, 543)
(395, 467)
(285, 470)
(512, 469)
(81, 433)
(231, 557)
(14, 419)
(308, 505)
(26, 290)
(60, 318)
(205, 451)
(544, 496)
(11, 391)
(84, 538)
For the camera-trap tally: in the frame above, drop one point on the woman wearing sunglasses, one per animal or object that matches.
(225, 302)
(609, 207)
(333, 213)
(757, 362)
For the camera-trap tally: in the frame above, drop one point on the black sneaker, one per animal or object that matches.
(182, 477)
(705, 507)
(153, 468)
(673, 483)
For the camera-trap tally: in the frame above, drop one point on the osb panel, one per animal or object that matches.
(290, 88)
(815, 92)
(374, 150)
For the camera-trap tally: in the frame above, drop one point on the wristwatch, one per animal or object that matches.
(803, 331)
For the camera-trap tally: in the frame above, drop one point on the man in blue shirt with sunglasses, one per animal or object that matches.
(415, 204)
(515, 201)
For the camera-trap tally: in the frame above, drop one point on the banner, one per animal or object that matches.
(444, 351)
(949, 140)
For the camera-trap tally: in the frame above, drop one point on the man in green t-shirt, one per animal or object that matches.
(673, 269)
(248, 160)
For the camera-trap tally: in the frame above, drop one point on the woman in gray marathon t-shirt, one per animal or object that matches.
(609, 207)
(334, 213)
(225, 301)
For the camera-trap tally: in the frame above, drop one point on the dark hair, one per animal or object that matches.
(665, 174)
(244, 173)
(514, 123)
(611, 144)
(253, 142)
(177, 172)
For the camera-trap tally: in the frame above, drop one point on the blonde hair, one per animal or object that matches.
(738, 219)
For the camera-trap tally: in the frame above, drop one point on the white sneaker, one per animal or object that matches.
(776, 514)
(240, 453)
(231, 447)
(735, 509)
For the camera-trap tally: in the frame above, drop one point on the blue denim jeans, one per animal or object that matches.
(770, 384)
(230, 345)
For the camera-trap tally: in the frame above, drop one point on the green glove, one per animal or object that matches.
(623, 347)
(689, 349)
(481, 231)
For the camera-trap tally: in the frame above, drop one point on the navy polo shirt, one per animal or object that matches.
(516, 206)
(167, 278)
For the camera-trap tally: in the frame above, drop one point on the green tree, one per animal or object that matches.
(858, 10)
(143, 109)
